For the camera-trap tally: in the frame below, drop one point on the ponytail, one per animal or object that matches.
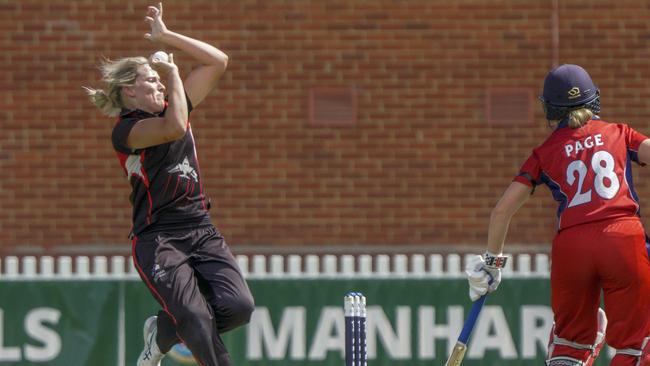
(577, 118)
(109, 106)
(115, 74)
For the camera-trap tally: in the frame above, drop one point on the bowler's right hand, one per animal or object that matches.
(164, 68)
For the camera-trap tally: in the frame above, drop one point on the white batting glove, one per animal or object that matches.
(478, 279)
(484, 274)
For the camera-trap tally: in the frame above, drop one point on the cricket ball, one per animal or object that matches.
(160, 56)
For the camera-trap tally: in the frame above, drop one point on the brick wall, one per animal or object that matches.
(423, 164)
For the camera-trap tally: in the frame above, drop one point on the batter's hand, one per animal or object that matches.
(481, 277)
(154, 19)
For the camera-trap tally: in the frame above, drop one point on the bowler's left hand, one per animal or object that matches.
(155, 21)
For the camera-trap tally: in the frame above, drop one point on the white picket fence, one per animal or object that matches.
(275, 266)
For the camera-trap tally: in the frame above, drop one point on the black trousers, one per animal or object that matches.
(196, 280)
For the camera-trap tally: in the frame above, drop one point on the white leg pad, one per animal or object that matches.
(595, 348)
(563, 361)
(644, 359)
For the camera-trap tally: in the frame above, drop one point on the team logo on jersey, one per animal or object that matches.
(133, 166)
(185, 169)
(158, 273)
(574, 92)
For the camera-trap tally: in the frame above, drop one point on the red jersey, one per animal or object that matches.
(588, 171)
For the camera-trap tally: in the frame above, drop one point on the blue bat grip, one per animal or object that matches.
(471, 320)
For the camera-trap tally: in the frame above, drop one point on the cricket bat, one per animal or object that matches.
(458, 353)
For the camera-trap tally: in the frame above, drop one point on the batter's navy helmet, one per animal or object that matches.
(568, 86)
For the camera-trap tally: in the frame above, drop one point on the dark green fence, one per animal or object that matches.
(297, 322)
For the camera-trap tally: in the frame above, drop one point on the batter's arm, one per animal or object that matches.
(644, 152)
(513, 198)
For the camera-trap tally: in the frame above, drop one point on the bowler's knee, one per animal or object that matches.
(242, 309)
(235, 312)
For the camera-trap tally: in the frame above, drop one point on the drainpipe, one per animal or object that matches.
(555, 33)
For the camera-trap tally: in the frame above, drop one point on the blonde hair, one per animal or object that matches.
(115, 74)
(576, 118)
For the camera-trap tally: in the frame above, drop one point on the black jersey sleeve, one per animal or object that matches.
(121, 133)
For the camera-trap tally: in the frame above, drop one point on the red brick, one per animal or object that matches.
(421, 166)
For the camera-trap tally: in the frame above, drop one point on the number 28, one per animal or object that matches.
(602, 172)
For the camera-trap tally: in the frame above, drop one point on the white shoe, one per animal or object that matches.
(150, 355)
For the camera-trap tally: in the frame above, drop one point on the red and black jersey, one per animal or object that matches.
(588, 171)
(167, 191)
